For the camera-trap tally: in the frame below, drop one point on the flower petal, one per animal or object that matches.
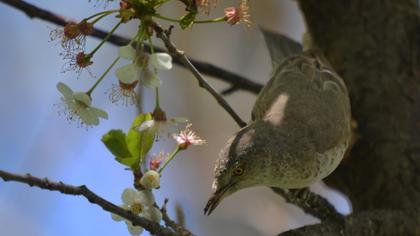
(177, 120)
(88, 117)
(161, 61)
(117, 217)
(128, 73)
(152, 214)
(150, 79)
(179, 139)
(134, 230)
(64, 89)
(146, 125)
(145, 197)
(70, 103)
(99, 112)
(128, 196)
(83, 98)
(127, 52)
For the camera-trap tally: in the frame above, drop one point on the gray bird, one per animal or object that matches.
(299, 132)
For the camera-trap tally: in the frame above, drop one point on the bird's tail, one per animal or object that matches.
(310, 49)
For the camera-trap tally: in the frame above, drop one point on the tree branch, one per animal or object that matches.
(82, 190)
(235, 80)
(180, 55)
(368, 223)
(310, 202)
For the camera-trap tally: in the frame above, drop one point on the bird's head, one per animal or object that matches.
(241, 164)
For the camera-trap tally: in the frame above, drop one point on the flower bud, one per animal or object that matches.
(154, 164)
(232, 15)
(150, 179)
(124, 4)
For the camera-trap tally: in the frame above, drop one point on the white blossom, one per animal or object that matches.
(139, 203)
(163, 128)
(127, 52)
(77, 107)
(143, 67)
(188, 137)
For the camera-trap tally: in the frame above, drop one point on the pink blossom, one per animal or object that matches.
(188, 137)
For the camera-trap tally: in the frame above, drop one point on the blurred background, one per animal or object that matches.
(35, 139)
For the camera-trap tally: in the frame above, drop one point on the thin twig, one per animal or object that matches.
(235, 80)
(172, 224)
(92, 197)
(176, 53)
(229, 90)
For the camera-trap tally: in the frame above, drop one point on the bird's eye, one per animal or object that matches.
(238, 171)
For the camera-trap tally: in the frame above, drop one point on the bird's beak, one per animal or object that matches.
(216, 199)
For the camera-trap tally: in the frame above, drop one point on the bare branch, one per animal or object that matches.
(176, 53)
(206, 68)
(311, 203)
(228, 90)
(82, 190)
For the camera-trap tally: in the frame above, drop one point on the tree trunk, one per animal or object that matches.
(374, 46)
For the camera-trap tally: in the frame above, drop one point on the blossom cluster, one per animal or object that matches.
(143, 67)
(131, 150)
(141, 201)
(136, 64)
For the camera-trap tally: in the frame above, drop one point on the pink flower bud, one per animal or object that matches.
(232, 15)
(154, 164)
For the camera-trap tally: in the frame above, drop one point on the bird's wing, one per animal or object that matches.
(308, 95)
(310, 65)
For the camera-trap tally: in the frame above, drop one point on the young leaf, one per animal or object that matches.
(139, 143)
(128, 161)
(187, 20)
(115, 141)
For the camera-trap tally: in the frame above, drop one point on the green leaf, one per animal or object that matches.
(140, 143)
(188, 20)
(115, 141)
(128, 161)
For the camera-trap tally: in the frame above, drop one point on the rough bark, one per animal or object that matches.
(374, 46)
(370, 223)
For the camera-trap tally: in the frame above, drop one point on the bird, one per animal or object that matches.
(299, 132)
